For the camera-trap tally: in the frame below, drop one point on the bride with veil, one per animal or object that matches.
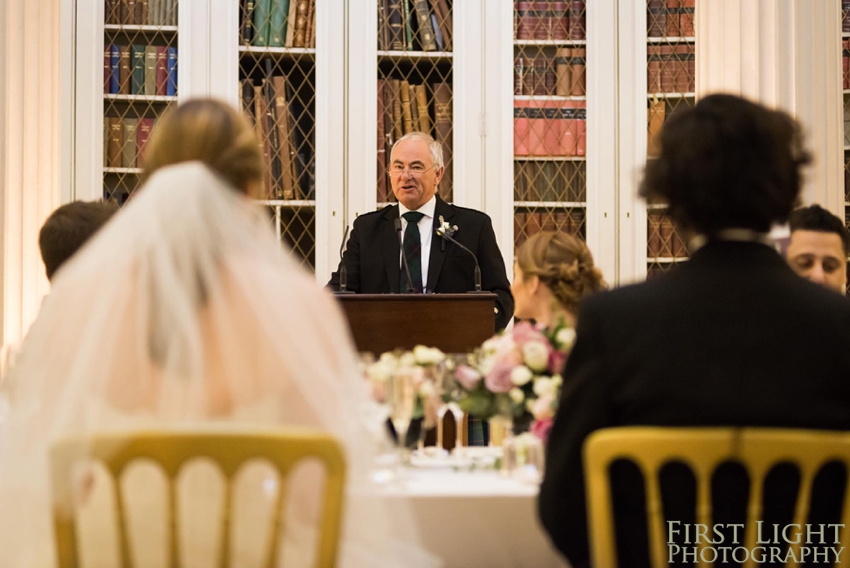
(185, 312)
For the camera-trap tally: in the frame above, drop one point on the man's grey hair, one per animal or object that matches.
(434, 147)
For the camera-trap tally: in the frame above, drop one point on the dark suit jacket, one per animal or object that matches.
(731, 338)
(372, 257)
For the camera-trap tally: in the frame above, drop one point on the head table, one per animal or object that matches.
(476, 518)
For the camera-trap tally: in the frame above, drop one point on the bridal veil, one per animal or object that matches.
(185, 312)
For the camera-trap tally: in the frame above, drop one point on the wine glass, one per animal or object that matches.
(401, 399)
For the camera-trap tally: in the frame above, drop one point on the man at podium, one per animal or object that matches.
(438, 244)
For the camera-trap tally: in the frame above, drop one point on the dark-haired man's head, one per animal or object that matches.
(727, 163)
(68, 228)
(818, 247)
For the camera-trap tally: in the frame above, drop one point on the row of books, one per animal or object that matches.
(845, 62)
(141, 12)
(140, 70)
(550, 128)
(414, 25)
(528, 224)
(562, 76)
(284, 129)
(671, 68)
(550, 20)
(662, 239)
(845, 16)
(670, 18)
(404, 107)
(124, 141)
(278, 23)
(563, 181)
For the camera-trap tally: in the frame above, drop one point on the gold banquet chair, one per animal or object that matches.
(703, 450)
(283, 449)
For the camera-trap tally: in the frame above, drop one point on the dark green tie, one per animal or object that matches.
(413, 252)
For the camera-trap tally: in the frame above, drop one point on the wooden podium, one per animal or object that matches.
(453, 323)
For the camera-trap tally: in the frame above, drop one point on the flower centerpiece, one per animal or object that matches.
(515, 375)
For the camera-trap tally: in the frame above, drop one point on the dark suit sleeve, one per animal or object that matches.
(583, 408)
(493, 275)
(351, 258)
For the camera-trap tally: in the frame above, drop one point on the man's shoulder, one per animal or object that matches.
(470, 215)
(371, 217)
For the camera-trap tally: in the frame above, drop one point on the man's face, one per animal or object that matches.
(819, 257)
(413, 176)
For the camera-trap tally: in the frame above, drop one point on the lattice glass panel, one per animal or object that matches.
(550, 118)
(277, 86)
(845, 65)
(670, 76)
(139, 85)
(415, 55)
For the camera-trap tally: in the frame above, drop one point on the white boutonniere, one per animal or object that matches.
(446, 230)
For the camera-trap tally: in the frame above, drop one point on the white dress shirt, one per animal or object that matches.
(426, 224)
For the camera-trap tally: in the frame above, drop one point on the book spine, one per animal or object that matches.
(656, 22)
(150, 70)
(128, 143)
(560, 19)
(408, 29)
(540, 68)
(398, 119)
(246, 97)
(443, 132)
(577, 72)
(845, 63)
(261, 129)
(142, 135)
(310, 34)
(171, 86)
(383, 27)
(521, 128)
(845, 16)
(692, 68)
(653, 235)
(668, 80)
(577, 19)
(142, 12)
(161, 70)
(680, 67)
(301, 10)
(171, 12)
(581, 128)
(666, 236)
(563, 72)
(396, 25)
(656, 113)
(414, 108)
(128, 8)
(445, 18)
(124, 70)
(438, 34)
(137, 76)
(674, 28)
(519, 75)
(425, 31)
(107, 69)
(382, 143)
(520, 220)
(282, 115)
(422, 106)
(407, 117)
(542, 20)
(277, 28)
(113, 150)
(525, 20)
(246, 26)
(653, 68)
(290, 23)
(686, 17)
(154, 13)
(262, 22)
(113, 12)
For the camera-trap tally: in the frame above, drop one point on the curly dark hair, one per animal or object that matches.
(727, 162)
(816, 218)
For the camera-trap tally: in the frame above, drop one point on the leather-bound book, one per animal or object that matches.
(398, 118)
(563, 73)
(441, 12)
(246, 21)
(653, 68)
(581, 128)
(302, 8)
(680, 67)
(560, 19)
(107, 68)
(525, 20)
(113, 147)
(577, 222)
(128, 143)
(422, 107)
(414, 108)
(150, 70)
(541, 65)
(425, 33)
(128, 12)
(161, 70)
(532, 224)
(666, 234)
(171, 82)
(520, 220)
(246, 98)
(655, 120)
(396, 25)
(113, 12)
(668, 80)
(311, 14)
(290, 23)
(143, 132)
(124, 67)
(686, 17)
(547, 222)
(408, 24)
(678, 246)
(277, 22)
(519, 75)
(141, 12)
(672, 18)
(653, 235)
(577, 72)
(656, 18)
(443, 133)
(542, 20)
(261, 128)
(577, 19)
(137, 75)
(406, 115)
(692, 67)
(262, 22)
(283, 119)
(522, 128)
(382, 144)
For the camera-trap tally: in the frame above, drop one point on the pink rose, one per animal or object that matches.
(541, 429)
(557, 360)
(542, 407)
(467, 377)
(524, 332)
(499, 379)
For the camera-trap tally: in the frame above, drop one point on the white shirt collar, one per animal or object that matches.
(427, 209)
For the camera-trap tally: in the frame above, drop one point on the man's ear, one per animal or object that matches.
(439, 175)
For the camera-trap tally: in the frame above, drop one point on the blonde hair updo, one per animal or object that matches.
(563, 263)
(212, 132)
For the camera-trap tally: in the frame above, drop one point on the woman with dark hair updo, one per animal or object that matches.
(553, 271)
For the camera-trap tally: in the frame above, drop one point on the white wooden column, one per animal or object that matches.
(29, 151)
(785, 54)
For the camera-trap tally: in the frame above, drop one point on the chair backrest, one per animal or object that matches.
(703, 450)
(283, 449)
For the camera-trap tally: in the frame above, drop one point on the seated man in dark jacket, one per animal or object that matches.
(733, 337)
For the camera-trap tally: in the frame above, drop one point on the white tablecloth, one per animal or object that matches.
(473, 519)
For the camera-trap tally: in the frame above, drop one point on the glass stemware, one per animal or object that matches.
(401, 400)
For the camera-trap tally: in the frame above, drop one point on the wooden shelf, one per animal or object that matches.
(550, 204)
(651, 96)
(143, 29)
(132, 171)
(140, 98)
(282, 51)
(415, 55)
(550, 158)
(287, 203)
(656, 206)
(672, 39)
(549, 42)
(547, 98)
(665, 259)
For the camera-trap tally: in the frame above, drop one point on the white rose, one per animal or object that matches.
(427, 389)
(529, 404)
(521, 375)
(378, 373)
(544, 387)
(486, 365)
(536, 355)
(557, 380)
(565, 338)
(407, 360)
(388, 359)
(516, 395)
(490, 346)
(427, 355)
